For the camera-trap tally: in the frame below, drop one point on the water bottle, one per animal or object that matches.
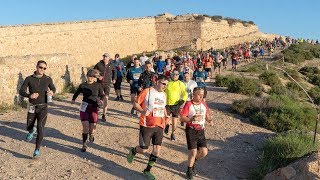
(49, 97)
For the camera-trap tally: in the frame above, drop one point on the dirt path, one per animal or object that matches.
(233, 145)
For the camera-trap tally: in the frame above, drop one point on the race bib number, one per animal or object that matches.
(31, 108)
(83, 106)
(158, 112)
(136, 76)
(199, 79)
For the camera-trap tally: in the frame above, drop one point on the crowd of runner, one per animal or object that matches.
(164, 89)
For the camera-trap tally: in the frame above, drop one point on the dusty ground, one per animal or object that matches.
(233, 145)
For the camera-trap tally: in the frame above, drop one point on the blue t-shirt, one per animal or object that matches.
(135, 75)
(121, 70)
(160, 66)
(200, 76)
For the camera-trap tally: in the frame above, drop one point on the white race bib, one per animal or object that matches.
(136, 76)
(199, 79)
(158, 112)
(31, 108)
(83, 106)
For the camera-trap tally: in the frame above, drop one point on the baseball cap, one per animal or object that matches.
(93, 73)
(106, 55)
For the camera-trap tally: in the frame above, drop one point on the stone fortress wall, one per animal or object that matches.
(69, 48)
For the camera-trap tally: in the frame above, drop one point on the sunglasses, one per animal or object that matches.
(165, 84)
(40, 67)
(176, 74)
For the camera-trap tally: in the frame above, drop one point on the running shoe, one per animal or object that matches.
(84, 148)
(166, 129)
(189, 174)
(103, 119)
(30, 135)
(149, 175)
(36, 153)
(121, 98)
(130, 156)
(173, 137)
(91, 138)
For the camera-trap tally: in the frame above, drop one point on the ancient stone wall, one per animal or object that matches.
(176, 32)
(86, 41)
(61, 68)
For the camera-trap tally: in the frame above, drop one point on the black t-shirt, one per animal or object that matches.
(91, 93)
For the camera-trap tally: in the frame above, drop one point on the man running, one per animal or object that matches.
(121, 72)
(133, 79)
(93, 96)
(195, 113)
(176, 97)
(200, 76)
(40, 86)
(147, 78)
(107, 76)
(151, 104)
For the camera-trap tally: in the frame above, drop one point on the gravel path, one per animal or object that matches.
(233, 145)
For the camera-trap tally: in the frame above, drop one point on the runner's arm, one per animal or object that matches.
(23, 89)
(76, 94)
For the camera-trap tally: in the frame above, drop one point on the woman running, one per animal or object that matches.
(92, 99)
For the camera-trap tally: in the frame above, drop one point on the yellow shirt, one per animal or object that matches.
(176, 90)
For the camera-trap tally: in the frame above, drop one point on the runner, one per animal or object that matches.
(40, 88)
(208, 62)
(176, 97)
(107, 76)
(217, 62)
(147, 78)
(133, 79)
(190, 85)
(151, 104)
(121, 72)
(93, 96)
(200, 76)
(195, 113)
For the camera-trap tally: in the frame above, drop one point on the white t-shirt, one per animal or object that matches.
(189, 88)
(143, 60)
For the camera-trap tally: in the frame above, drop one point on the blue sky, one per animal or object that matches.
(296, 18)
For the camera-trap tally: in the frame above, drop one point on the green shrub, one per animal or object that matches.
(298, 53)
(277, 113)
(315, 94)
(224, 81)
(281, 150)
(306, 70)
(245, 86)
(314, 79)
(293, 73)
(270, 78)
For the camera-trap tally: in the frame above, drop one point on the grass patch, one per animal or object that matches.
(277, 113)
(281, 150)
(245, 86)
(4, 108)
(255, 67)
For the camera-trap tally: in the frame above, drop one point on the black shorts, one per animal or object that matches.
(174, 110)
(234, 62)
(147, 133)
(117, 84)
(195, 138)
(134, 90)
(207, 69)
